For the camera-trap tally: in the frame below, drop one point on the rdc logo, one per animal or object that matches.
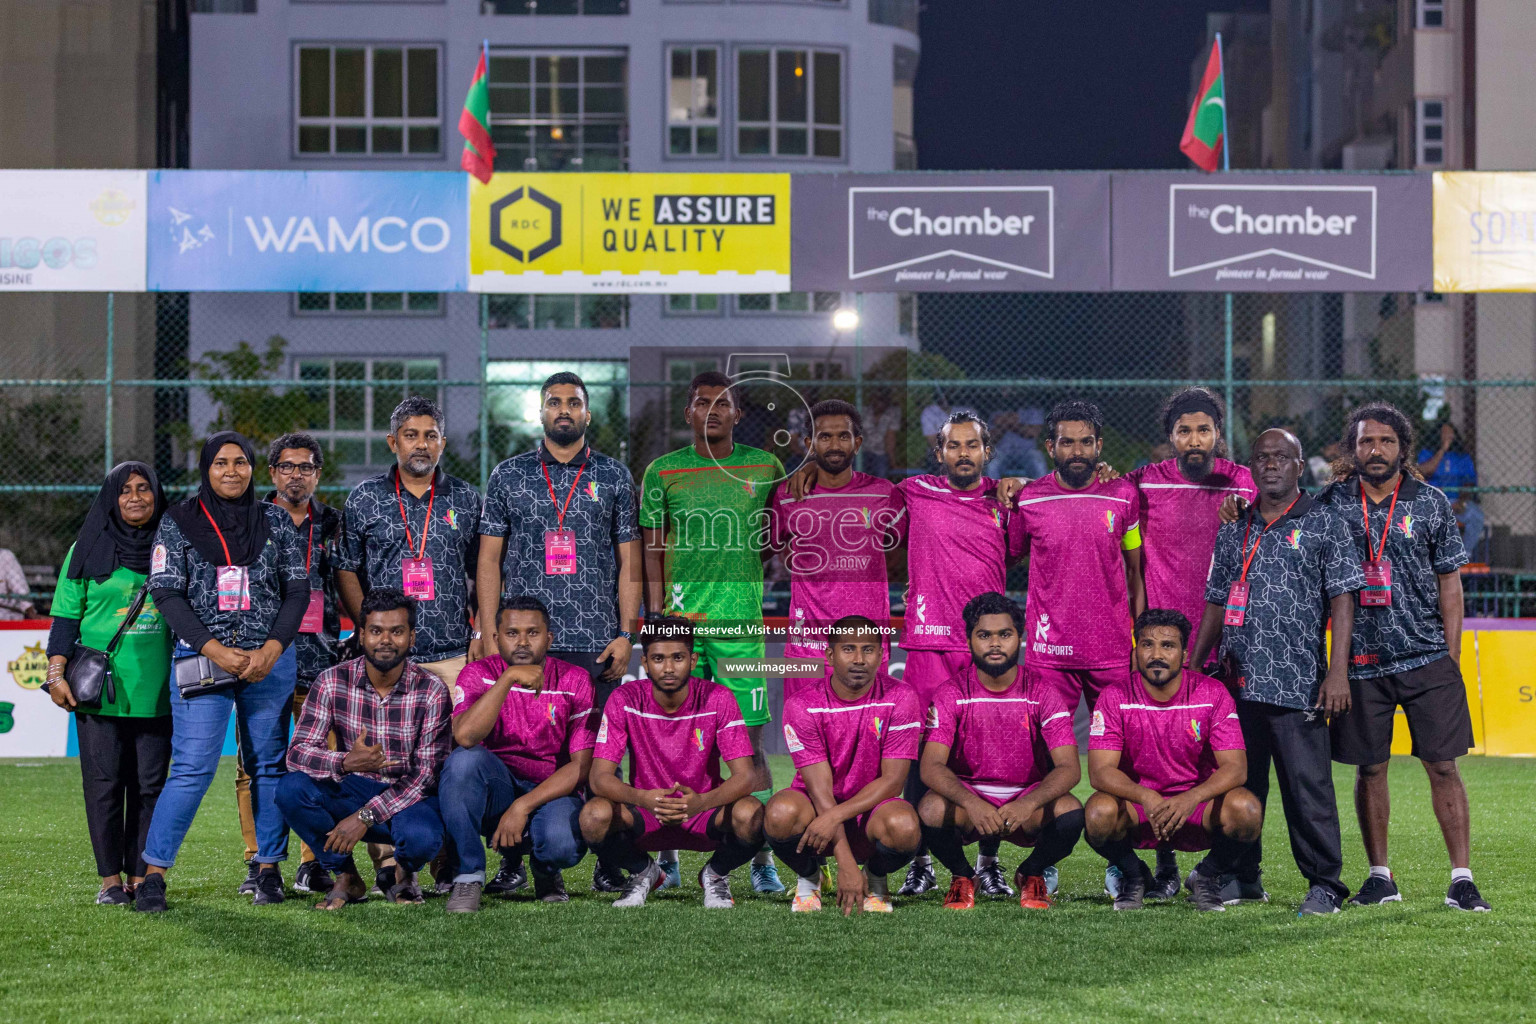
(529, 216)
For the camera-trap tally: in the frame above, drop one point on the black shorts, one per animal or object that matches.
(1433, 697)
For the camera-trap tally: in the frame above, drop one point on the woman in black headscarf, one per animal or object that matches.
(125, 742)
(227, 572)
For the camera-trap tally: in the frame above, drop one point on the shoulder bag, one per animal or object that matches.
(89, 671)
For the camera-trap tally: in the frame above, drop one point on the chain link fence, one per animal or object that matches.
(91, 379)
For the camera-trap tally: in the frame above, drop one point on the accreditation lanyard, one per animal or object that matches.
(1237, 597)
(314, 612)
(416, 568)
(560, 543)
(1377, 592)
(234, 581)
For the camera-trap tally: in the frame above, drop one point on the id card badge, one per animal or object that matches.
(234, 584)
(1377, 592)
(559, 552)
(314, 614)
(1237, 604)
(416, 578)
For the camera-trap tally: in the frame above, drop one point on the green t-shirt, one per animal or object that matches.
(715, 515)
(141, 665)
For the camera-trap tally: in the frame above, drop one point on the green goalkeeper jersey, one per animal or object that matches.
(715, 515)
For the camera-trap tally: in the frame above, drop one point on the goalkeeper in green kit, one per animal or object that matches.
(703, 511)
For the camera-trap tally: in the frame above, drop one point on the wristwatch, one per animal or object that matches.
(627, 635)
(367, 817)
(475, 635)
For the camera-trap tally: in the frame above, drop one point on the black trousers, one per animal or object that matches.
(123, 763)
(1298, 744)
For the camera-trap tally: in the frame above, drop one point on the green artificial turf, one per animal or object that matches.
(216, 957)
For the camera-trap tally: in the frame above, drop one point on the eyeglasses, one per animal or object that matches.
(301, 468)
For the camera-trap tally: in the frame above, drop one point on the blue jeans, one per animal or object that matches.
(1472, 520)
(475, 790)
(197, 739)
(314, 806)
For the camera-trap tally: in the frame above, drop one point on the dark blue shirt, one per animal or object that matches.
(317, 652)
(374, 546)
(1456, 470)
(583, 606)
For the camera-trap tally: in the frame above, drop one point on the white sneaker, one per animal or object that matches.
(639, 886)
(717, 890)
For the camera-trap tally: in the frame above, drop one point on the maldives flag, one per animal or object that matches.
(479, 157)
(1205, 130)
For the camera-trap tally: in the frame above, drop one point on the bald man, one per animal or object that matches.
(1278, 574)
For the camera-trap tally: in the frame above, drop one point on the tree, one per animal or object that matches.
(260, 412)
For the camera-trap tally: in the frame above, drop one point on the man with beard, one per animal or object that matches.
(523, 734)
(1178, 500)
(835, 539)
(390, 721)
(1407, 643)
(1084, 541)
(1000, 760)
(415, 529)
(1165, 755)
(703, 510)
(853, 737)
(960, 539)
(559, 525)
(1278, 575)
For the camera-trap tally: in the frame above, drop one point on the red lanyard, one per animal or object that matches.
(1248, 556)
(311, 549)
(1366, 515)
(432, 496)
(559, 508)
(216, 530)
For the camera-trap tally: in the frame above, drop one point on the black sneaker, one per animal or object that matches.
(607, 878)
(511, 877)
(1165, 883)
(1133, 889)
(149, 895)
(1205, 892)
(312, 877)
(919, 880)
(1320, 900)
(990, 882)
(248, 887)
(383, 881)
(1377, 890)
(113, 896)
(1234, 890)
(549, 888)
(1464, 896)
(269, 888)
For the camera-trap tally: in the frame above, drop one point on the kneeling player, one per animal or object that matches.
(853, 737)
(1165, 753)
(998, 761)
(676, 730)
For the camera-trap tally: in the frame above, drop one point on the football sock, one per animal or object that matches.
(1166, 858)
(802, 862)
(806, 886)
(1381, 871)
(730, 855)
(984, 861)
(1119, 853)
(762, 856)
(1457, 874)
(1224, 857)
(986, 849)
(944, 843)
(886, 860)
(620, 850)
(666, 857)
(1056, 840)
(877, 884)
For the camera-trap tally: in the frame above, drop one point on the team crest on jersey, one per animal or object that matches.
(1194, 727)
(1294, 538)
(1407, 525)
(602, 730)
(997, 518)
(1109, 520)
(592, 489)
(867, 520)
(791, 740)
(750, 487)
(458, 695)
(451, 517)
(698, 739)
(933, 716)
(554, 719)
(158, 559)
(877, 725)
(1096, 724)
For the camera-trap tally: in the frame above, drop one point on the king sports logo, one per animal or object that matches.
(1043, 627)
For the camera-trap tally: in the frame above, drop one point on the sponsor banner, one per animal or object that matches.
(30, 724)
(72, 231)
(1272, 232)
(1485, 231)
(306, 231)
(629, 232)
(951, 232)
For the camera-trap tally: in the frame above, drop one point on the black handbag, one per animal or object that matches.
(89, 671)
(197, 674)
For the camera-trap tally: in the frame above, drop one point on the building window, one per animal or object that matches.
(552, 7)
(368, 101)
(1431, 13)
(515, 401)
(789, 103)
(897, 13)
(790, 302)
(1431, 133)
(350, 420)
(693, 101)
(693, 305)
(383, 303)
(564, 111)
(557, 312)
(903, 75)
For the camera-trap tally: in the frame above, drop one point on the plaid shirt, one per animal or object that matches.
(412, 723)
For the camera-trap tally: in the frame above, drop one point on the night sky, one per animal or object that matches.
(1065, 84)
